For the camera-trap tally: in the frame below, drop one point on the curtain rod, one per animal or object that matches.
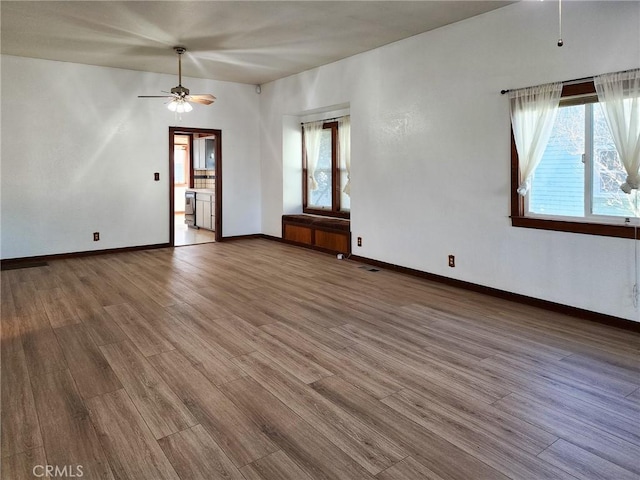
(569, 82)
(326, 119)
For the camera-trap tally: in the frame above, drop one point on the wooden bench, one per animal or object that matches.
(321, 233)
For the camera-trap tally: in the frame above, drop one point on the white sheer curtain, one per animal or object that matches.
(533, 112)
(312, 137)
(344, 139)
(619, 95)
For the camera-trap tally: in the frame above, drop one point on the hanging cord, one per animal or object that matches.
(560, 42)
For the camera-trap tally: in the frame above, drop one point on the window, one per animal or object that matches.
(324, 177)
(180, 165)
(576, 185)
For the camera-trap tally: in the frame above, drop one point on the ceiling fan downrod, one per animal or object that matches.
(180, 90)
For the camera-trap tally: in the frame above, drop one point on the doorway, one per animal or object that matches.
(189, 172)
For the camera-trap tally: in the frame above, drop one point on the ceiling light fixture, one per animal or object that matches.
(179, 97)
(179, 105)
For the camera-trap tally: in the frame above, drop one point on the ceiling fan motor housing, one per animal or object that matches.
(180, 90)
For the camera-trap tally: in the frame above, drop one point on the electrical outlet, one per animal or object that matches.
(96, 236)
(359, 241)
(452, 261)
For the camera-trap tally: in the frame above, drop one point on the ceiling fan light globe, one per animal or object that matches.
(172, 106)
(180, 108)
(187, 107)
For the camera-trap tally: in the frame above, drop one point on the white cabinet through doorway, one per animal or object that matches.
(204, 153)
(204, 211)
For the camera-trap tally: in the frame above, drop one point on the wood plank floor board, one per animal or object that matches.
(628, 371)
(21, 465)
(19, 420)
(69, 437)
(142, 333)
(428, 338)
(598, 336)
(424, 367)
(482, 387)
(485, 418)
(44, 278)
(494, 450)
(159, 406)
(606, 420)
(89, 368)
(318, 334)
(603, 380)
(242, 440)
(189, 274)
(301, 366)
(567, 332)
(102, 289)
(25, 299)
(237, 330)
(263, 303)
(60, 310)
(232, 333)
(337, 361)
(79, 266)
(201, 324)
(408, 469)
(544, 384)
(252, 313)
(159, 292)
(570, 333)
(416, 376)
(118, 283)
(498, 341)
(323, 313)
(442, 457)
(366, 446)
(16, 276)
(41, 348)
(405, 341)
(203, 354)
(82, 299)
(583, 464)
(598, 442)
(130, 446)
(483, 326)
(275, 466)
(206, 307)
(7, 304)
(102, 328)
(313, 452)
(196, 456)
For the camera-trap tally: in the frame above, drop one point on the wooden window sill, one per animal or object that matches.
(620, 231)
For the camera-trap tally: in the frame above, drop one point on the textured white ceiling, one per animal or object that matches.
(241, 41)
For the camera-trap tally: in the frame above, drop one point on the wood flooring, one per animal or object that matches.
(255, 360)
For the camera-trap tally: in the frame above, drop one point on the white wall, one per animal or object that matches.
(79, 151)
(431, 144)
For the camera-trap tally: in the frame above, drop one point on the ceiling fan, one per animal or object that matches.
(179, 97)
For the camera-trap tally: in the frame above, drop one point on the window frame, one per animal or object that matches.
(185, 147)
(335, 210)
(588, 226)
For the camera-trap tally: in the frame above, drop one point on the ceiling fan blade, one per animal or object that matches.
(155, 96)
(204, 99)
